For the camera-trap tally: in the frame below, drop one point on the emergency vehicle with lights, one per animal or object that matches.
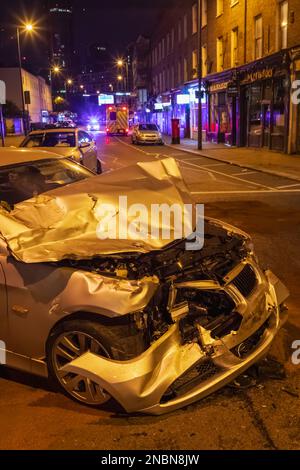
(117, 120)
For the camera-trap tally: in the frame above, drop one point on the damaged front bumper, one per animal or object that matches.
(171, 374)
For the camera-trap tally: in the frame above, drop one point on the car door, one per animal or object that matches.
(3, 302)
(88, 150)
(30, 291)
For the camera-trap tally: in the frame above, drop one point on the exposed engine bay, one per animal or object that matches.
(213, 309)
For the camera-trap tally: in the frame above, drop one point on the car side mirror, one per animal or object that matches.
(84, 145)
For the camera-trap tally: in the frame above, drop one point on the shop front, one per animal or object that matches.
(222, 111)
(194, 105)
(294, 136)
(265, 96)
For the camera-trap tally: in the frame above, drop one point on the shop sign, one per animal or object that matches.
(183, 99)
(259, 75)
(166, 99)
(194, 95)
(218, 87)
(233, 89)
(158, 106)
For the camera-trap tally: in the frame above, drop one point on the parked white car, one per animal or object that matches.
(146, 134)
(72, 143)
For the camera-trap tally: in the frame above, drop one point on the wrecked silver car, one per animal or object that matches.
(148, 323)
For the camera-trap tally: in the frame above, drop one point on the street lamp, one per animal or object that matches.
(200, 72)
(27, 27)
(55, 69)
(124, 63)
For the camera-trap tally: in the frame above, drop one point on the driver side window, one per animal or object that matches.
(84, 138)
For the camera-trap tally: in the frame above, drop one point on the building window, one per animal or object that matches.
(220, 7)
(185, 70)
(168, 43)
(194, 18)
(204, 13)
(185, 27)
(284, 11)
(220, 54)
(179, 31)
(172, 39)
(159, 52)
(194, 63)
(172, 77)
(164, 80)
(163, 48)
(258, 37)
(234, 47)
(204, 60)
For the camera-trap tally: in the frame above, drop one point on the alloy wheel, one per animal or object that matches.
(67, 347)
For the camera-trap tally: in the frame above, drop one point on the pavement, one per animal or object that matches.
(13, 140)
(262, 414)
(268, 161)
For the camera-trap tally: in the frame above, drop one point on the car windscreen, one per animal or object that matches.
(51, 139)
(147, 127)
(25, 180)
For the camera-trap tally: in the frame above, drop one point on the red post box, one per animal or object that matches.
(175, 131)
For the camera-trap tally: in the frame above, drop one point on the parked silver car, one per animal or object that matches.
(146, 134)
(146, 322)
(73, 143)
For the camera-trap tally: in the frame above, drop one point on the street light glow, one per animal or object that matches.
(120, 77)
(69, 81)
(56, 69)
(29, 27)
(120, 63)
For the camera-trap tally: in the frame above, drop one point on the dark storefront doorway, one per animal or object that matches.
(266, 124)
(264, 107)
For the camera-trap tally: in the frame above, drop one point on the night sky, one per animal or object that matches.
(113, 22)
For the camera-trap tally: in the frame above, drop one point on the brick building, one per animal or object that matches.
(250, 61)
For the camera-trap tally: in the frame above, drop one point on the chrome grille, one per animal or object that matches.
(200, 372)
(245, 281)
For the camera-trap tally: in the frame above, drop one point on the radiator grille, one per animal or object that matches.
(200, 372)
(246, 281)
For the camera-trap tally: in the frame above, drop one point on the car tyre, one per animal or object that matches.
(99, 167)
(72, 338)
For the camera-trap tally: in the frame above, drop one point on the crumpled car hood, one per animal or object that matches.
(62, 224)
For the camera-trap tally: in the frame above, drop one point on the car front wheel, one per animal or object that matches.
(99, 167)
(73, 338)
